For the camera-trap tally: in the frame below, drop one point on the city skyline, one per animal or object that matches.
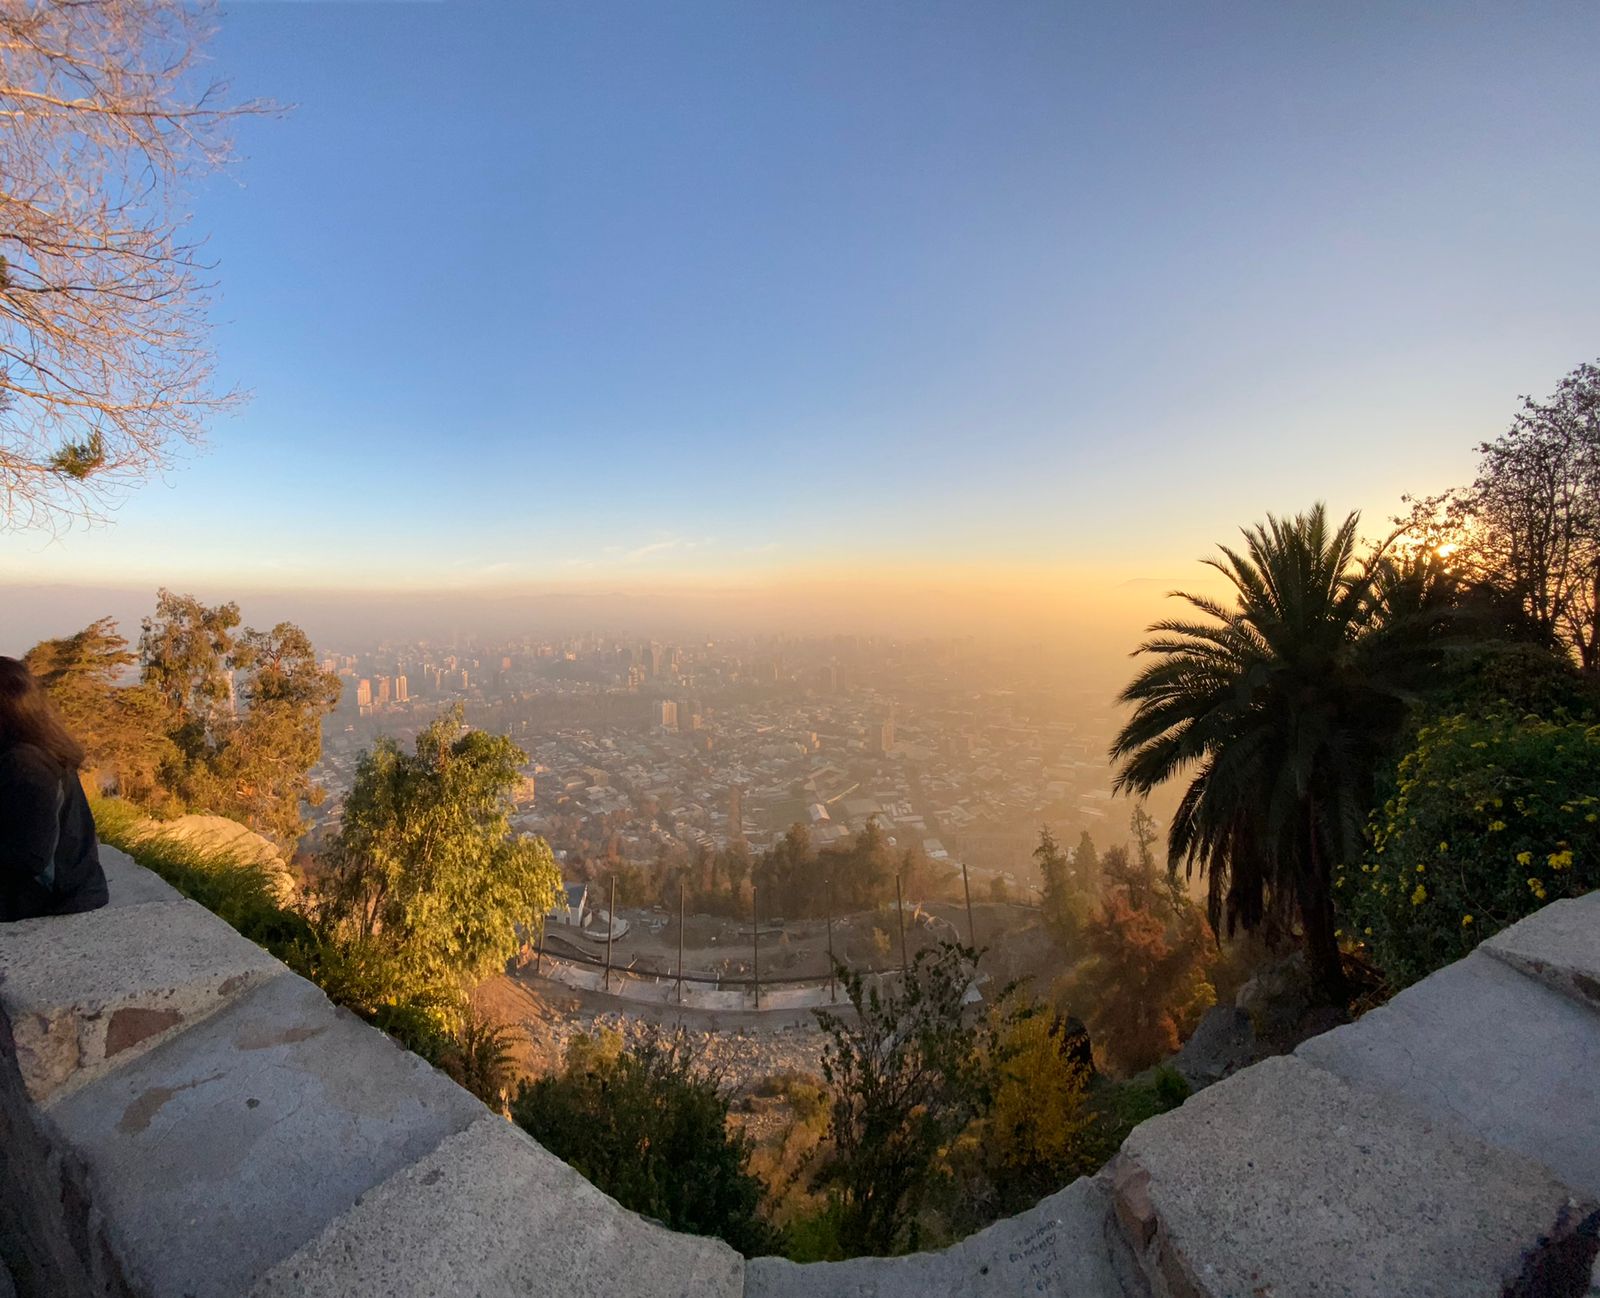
(726, 300)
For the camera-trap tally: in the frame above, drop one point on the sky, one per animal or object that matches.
(955, 305)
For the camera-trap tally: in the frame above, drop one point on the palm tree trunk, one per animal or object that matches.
(1317, 921)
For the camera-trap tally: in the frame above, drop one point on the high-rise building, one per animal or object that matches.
(886, 736)
(364, 694)
(667, 714)
(382, 691)
(401, 694)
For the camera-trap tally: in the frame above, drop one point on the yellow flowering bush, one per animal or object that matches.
(1499, 814)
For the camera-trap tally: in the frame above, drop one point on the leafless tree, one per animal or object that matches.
(106, 369)
(1529, 525)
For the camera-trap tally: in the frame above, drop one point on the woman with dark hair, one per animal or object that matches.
(49, 859)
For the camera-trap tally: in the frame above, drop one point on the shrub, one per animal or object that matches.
(650, 1128)
(1491, 817)
(359, 973)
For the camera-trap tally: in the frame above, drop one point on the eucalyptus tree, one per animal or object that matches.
(1280, 707)
(426, 868)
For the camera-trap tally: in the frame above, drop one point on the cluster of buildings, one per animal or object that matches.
(638, 749)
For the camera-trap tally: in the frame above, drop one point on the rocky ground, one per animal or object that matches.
(742, 1048)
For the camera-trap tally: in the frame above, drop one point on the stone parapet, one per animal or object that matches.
(181, 1115)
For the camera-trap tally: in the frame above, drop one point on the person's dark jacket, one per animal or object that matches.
(49, 859)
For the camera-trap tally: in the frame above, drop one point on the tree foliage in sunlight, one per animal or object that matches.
(247, 708)
(1528, 527)
(219, 719)
(125, 728)
(1039, 1132)
(1143, 985)
(425, 862)
(649, 1126)
(1065, 899)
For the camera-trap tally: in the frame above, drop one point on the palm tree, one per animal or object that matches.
(1282, 707)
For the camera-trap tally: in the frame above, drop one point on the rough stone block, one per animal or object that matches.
(1064, 1246)
(1222, 1044)
(1559, 944)
(217, 1154)
(129, 883)
(1495, 1052)
(492, 1213)
(1282, 1180)
(83, 992)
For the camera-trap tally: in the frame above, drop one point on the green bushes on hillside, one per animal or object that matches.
(650, 1127)
(1491, 818)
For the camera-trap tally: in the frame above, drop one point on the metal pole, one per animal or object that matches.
(611, 927)
(755, 933)
(832, 996)
(680, 942)
(966, 884)
(900, 910)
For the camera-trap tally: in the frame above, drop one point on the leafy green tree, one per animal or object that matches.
(247, 709)
(124, 726)
(1062, 900)
(907, 1076)
(1086, 863)
(262, 770)
(185, 654)
(650, 1128)
(1490, 818)
(1284, 707)
(426, 861)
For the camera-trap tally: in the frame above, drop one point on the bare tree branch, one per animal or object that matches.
(106, 368)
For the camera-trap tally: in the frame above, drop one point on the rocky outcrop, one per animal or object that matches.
(1224, 1043)
(226, 839)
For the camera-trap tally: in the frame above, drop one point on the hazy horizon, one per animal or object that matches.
(1090, 626)
(756, 300)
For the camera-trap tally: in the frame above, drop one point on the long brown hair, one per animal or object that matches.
(28, 717)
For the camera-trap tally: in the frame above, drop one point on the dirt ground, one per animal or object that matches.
(741, 1047)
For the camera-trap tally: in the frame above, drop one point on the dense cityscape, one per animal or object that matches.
(639, 748)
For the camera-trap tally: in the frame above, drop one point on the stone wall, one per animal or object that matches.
(181, 1115)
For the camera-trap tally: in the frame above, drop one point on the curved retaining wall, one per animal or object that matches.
(662, 989)
(181, 1115)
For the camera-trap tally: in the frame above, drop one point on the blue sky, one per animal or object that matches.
(670, 292)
